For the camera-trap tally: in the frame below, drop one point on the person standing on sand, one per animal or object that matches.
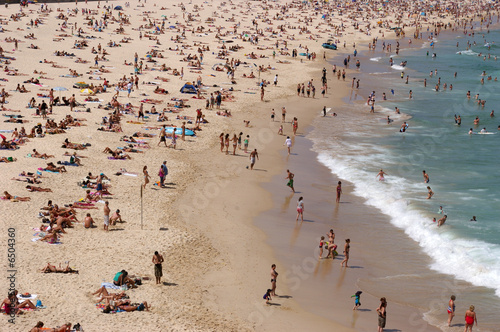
(183, 127)
(253, 155)
(163, 136)
(300, 209)
(163, 173)
(347, 247)
(290, 177)
(283, 114)
(382, 314)
(451, 309)
(470, 318)
(339, 191)
(157, 260)
(146, 176)
(288, 143)
(274, 276)
(106, 216)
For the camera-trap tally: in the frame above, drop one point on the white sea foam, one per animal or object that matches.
(468, 52)
(467, 259)
(377, 59)
(398, 67)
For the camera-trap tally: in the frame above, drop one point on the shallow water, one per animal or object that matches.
(463, 169)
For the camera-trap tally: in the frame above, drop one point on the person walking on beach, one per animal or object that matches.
(163, 136)
(157, 260)
(274, 276)
(382, 314)
(146, 176)
(283, 114)
(106, 216)
(253, 155)
(347, 247)
(339, 191)
(163, 173)
(451, 309)
(470, 318)
(288, 143)
(290, 177)
(300, 209)
(357, 300)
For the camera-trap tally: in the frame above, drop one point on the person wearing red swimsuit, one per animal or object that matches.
(470, 318)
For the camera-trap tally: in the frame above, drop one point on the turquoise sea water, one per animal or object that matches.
(464, 169)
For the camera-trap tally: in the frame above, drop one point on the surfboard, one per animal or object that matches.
(328, 109)
(178, 131)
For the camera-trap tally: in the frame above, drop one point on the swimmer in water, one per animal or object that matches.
(471, 131)
(441, 210)
(473, 218)
(476, 121)
(483, 131)
(389, 120)
(430, 193)
(442, 220)
(403, 128)
(380, 175)
(426, 177)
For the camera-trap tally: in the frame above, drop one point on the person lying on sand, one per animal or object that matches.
(53, 168)
(39, 328)
(33, 188)
(37, 154)
(8, 196)
(53, 269)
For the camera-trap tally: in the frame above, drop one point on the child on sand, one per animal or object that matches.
(267, 296)
(321, 244)
(357, 302)
(280, 130)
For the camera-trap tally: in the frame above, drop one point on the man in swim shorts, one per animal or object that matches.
(253, 155)
(106, 216)
(290, 176)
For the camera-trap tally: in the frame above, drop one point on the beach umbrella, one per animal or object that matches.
(60, 88)
(87, 91)
(118, 8)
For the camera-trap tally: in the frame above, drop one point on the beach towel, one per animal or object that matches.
(113, 158)
(31, 297)
(66, 163)
(110, 285)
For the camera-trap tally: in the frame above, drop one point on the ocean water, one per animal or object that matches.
(464, 169)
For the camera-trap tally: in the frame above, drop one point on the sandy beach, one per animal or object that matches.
(218, 224)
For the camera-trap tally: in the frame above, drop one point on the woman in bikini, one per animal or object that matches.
(300, 209)
(347, 247)
(339, 191)
(235, 143)
(221, 140)
(8, 196)
(380, 175)
(226, 143)
(451, 309)
(331, 244)
(146, 176)
(470, 318)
